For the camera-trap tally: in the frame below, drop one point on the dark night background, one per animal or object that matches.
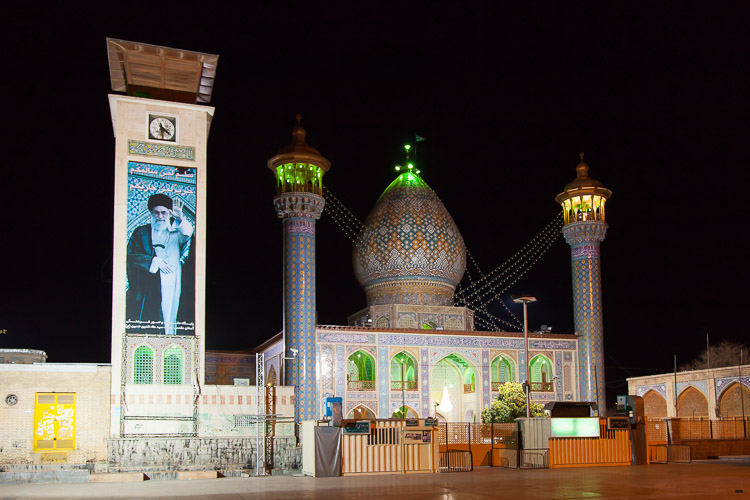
(655, 95)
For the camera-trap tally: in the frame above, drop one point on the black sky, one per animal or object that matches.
(656, 96)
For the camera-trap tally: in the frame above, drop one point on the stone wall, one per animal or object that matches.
(172, 454)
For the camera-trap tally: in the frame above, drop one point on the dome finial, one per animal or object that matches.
(298, 133)
(582, 170)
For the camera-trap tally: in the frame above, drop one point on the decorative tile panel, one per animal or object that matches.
(383, 379)
(486, 389)
(161, 150)
(643, 389)
(424, 368)
(701, 385)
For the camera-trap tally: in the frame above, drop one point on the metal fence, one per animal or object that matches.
(489, 444)
(699, 428)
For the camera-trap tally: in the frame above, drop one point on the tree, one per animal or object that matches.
(725, 354)
(510, 405)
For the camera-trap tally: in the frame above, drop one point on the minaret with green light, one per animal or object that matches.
(584, 228)
(299, 202)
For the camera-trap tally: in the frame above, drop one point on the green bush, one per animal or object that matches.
(510, 405)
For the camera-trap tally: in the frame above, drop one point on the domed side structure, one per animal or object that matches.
(409, 250)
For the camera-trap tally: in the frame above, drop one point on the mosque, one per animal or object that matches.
(412, 352)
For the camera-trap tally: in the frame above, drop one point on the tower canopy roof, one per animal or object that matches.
(144, 70)
(583, 184)
(299, 151)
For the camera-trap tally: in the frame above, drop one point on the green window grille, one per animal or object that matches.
(173, 365)
(143, 366)
(403, 365)
(541, 369)
(502, 371)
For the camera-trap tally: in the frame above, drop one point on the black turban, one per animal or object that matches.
(159, 200)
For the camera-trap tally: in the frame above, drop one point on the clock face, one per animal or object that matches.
(162, 128)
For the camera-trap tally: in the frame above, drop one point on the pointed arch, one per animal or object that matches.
(541, 373)
(173, 361)
(655, 406)
(730, 404)
(361, 412)
(382, 322)
(502, 370)
(404, 370)
(271, 378)
(692, 403)
(405, 412)
(143, 365)
(360, 371)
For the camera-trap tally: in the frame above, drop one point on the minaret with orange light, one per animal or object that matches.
(299, 202)
(584, 228)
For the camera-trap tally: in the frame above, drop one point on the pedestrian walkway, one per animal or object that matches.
(700, 480)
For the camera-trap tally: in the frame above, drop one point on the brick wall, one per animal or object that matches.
(89, 382)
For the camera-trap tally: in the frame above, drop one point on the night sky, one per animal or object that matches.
(657, 98)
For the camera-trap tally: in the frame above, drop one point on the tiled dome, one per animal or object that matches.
(409, 250)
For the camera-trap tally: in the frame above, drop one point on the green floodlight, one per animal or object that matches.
(398, 167)
(410, 165)
(419, 171)
(407, 147)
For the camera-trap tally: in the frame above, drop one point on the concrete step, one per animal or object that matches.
(120, 477)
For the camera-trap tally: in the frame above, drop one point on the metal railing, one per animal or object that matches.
(542, 387)
(456, 461)
(360, 385)
(406, 385)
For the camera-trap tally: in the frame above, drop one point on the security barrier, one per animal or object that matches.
(489, 444)
(390, 447)
(612, 447)
(456, 461)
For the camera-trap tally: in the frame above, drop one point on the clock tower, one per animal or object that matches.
(161, 120)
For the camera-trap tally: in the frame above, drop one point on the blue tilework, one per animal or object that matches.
(299, 320)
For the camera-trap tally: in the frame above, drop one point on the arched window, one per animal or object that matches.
(382, 322)
(502, 372)
(541, 373)
(404, 412)
(403, 372)
(407, 321)
(271, 378)
(361, 412)
(453, 324)
(173, 365)
(360, 372)
(143, 365)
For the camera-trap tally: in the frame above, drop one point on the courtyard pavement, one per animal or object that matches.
(704, 480)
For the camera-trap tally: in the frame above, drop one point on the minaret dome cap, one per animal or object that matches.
(299, 151)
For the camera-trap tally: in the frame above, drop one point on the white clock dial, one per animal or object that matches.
(162, 128)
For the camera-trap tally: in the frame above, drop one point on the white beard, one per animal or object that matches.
(159, 225)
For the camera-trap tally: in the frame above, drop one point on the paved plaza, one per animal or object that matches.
(684, 481)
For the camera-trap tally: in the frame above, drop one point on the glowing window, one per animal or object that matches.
(173, 365)
(143, 366)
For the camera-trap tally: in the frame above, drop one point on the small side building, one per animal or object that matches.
(716, 393)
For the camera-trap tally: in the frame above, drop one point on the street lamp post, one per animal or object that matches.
(525, 300)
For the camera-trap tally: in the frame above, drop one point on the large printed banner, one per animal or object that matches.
(161, 250)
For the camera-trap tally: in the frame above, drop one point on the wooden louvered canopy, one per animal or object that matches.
(144, 70)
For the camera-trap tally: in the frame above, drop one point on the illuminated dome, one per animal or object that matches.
(409, 250)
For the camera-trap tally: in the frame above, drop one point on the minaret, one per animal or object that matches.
(585, 226)
(299, 202)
